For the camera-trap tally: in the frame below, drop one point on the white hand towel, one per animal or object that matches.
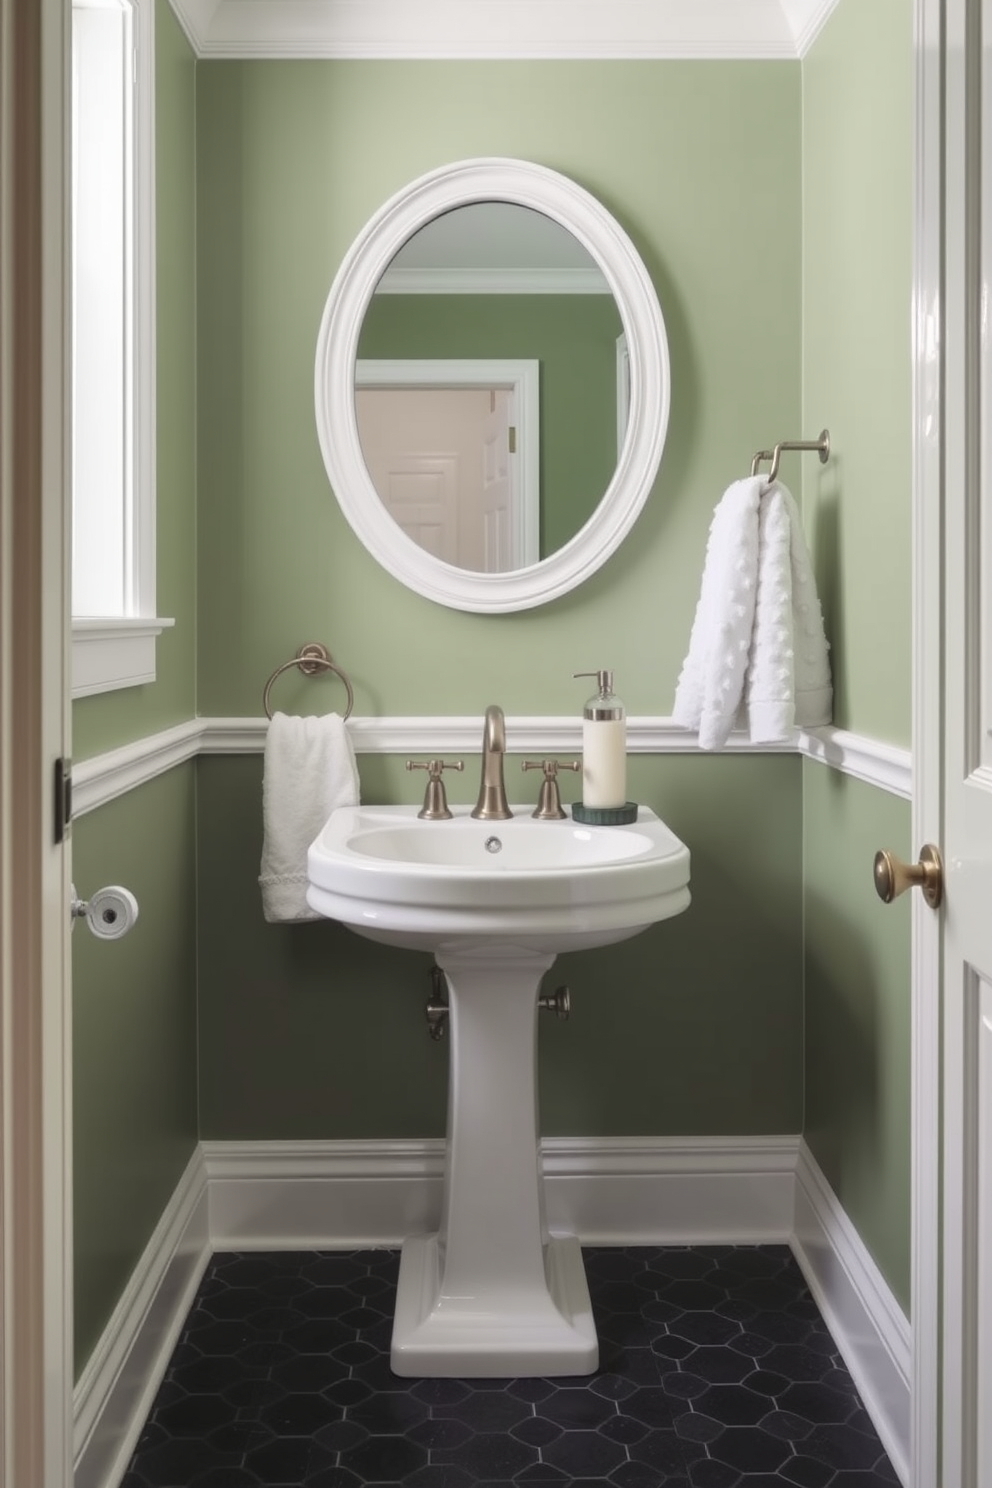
(788, 681)
(309, 770)
(711, 684)
(757, 652)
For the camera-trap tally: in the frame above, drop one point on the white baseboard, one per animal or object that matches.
(610, 1191)
(607, 1191)
(116, 1389)
(868, 1325)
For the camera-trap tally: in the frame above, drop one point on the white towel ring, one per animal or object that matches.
(311, 658)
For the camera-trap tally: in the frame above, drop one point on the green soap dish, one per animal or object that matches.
(605, 816)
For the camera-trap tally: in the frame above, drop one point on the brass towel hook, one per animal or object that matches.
(822, 444)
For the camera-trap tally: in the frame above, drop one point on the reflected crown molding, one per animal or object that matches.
(503, 29)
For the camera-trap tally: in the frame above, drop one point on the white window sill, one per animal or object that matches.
(108, 653)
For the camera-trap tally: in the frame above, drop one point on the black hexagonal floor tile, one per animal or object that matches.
(716, 1372)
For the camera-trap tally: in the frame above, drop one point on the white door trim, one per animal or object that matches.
(926, 826)
(35, 1023)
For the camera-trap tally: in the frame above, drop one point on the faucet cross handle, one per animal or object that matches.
(435, 807)
(549, 806)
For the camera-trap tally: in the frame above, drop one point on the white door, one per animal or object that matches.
(35, 1023)
(967, 960)
(952, 994)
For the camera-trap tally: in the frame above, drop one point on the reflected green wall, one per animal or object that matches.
(134, 1038)
(574, 340)
(857, 238)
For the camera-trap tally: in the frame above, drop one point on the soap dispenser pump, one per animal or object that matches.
(604, 747)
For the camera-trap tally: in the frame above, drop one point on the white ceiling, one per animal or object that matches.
(775, 29)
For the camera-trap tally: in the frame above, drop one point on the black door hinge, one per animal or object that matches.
(63, 798)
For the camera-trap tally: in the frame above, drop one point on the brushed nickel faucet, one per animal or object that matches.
(492, 803)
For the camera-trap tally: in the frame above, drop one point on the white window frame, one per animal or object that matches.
(114, 651)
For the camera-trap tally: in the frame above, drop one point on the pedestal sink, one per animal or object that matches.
(493, 1293)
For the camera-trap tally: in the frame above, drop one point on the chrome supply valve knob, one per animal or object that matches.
(549, 806)
(558, 1002)
(435, 807)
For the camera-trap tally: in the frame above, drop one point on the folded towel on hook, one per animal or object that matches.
(757, 654)
(309, 770)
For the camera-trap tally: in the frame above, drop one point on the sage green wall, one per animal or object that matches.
(134, 1001)
(857, 212)
(857, 1034)
(114, 718)
(857, 247)
(293, 158)
(573, 337)
(696, 1026)
(134, 1039)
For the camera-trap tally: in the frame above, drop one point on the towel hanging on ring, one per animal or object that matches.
(757, 653)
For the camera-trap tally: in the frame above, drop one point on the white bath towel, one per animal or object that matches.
(309, 770)
(757, 654)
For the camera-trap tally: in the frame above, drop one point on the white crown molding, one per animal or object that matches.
(106, 776)
(806, 19)
(493, 281)
(718, 29)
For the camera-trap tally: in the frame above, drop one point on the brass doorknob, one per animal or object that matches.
(893, 877)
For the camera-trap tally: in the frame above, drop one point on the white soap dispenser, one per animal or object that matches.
(604, 747)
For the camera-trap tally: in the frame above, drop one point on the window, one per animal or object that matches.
(113, 370)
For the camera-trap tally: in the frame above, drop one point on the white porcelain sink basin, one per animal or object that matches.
(559, 885)
(492, 1293)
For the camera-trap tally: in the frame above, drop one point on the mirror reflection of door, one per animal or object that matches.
(498, 286)
(444, 462)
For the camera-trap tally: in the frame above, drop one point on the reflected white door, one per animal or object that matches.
(424, 451)
(499, 539)
(485, 416)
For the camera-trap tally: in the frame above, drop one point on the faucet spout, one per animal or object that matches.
(492, 804)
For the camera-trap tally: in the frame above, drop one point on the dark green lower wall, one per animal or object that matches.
(694, 1027)
(134, 1038)
(857, 1040)
(208, 1021)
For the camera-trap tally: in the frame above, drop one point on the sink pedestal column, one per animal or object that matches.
(492, 1294)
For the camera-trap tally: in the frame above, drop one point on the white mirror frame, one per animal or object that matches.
(544, 190)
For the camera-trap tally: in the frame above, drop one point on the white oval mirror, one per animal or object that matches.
(560, 217)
